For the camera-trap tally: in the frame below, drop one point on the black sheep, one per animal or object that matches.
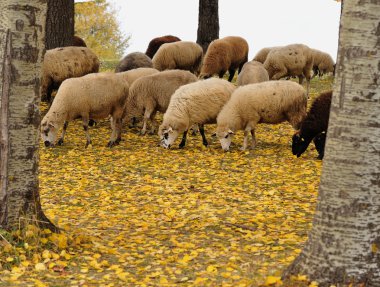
(314, 126)
(156, 43)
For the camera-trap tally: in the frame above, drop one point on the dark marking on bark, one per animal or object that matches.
(19, 25)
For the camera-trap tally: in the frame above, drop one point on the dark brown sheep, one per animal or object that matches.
(78, 42)
(133, 61)
(314, 126)
(156, 43)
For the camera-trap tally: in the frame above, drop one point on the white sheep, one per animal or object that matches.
(183, 55)
(195, 103)
(323, 63)
(288, 61)
(94, 96)
(63, 63)
(269, 102)
(151, 94)
(252, 72)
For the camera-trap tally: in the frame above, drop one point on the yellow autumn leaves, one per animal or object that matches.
(140, 215)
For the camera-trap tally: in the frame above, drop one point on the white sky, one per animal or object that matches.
(263, 23)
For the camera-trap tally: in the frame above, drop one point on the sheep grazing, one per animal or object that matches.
(156, 43)
(94, 96)
(314, 126)
(183, 55)
(288, 61)
(78, 42)
(252, 72)
(132, 75)
(226, 54)
(323, 63)
(151, 94)
(261, 55)
(60, 64)
(133, 61)
(268, 102)
(195, 103)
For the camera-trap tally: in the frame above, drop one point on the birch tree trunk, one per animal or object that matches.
(208, 22)
(344, 243)
(21, 49)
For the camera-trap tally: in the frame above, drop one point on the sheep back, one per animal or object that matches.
(132, 75)
(156, 90)
(60, 64)
(156, 43)
(184, 55)
(261, 55)
(291, 60)
(133, 61)
(252, 72)
(197, 103)
(269, 102)
(223, 54)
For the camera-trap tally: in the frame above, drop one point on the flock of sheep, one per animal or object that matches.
(172, 77)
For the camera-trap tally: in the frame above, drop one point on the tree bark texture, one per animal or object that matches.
(59, 24)
(344, 243)
(21, 48)
(208, 22)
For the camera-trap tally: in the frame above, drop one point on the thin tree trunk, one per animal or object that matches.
(59, 24)
(344, 243)
(208, 22)
(21, 48)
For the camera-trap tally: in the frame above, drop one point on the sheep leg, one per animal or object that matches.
(221, 74)
(60, 141)
(279, 75)
(153, 123)
(253, 143)
(85, 127)
(183, 141)
(232, 74)
(148, 113)
(300, 79)
(245, 142)
(307, 87)
(202, 132)
(116, 125)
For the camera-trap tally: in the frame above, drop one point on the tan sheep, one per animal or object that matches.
(323, 63)
(195, 103)
(288, 61)
(132, 75)
(261, 55)
(151, 94)
(268, 102)
(183, 55)
(94, 96)
(62, 63)
(226, 54)
(252, 72)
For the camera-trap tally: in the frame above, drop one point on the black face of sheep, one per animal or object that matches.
(299, 145)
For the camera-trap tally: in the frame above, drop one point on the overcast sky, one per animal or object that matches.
(263, 23)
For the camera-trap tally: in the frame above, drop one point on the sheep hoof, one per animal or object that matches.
(88, 143)
(60, 141)
(181, 146)
(112, 143)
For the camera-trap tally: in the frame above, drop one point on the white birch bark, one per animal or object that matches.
(344, 243)
(21, 49)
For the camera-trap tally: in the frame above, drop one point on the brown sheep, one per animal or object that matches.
(226, 54)
(156, 43)
(60, 64)
(252, 72)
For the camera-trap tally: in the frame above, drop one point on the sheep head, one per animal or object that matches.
(225, 136)
(49, 132)
(167, 135)
(299, 144)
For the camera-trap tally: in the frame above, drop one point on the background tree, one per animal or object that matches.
(59, 23)
(344, 243)
(96, 24)
(21, 47)
(208, 22)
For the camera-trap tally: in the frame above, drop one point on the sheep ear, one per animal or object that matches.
(230, 132)
(50, 125)
(170, 130)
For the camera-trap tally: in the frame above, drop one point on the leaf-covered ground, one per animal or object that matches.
(140, 215)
